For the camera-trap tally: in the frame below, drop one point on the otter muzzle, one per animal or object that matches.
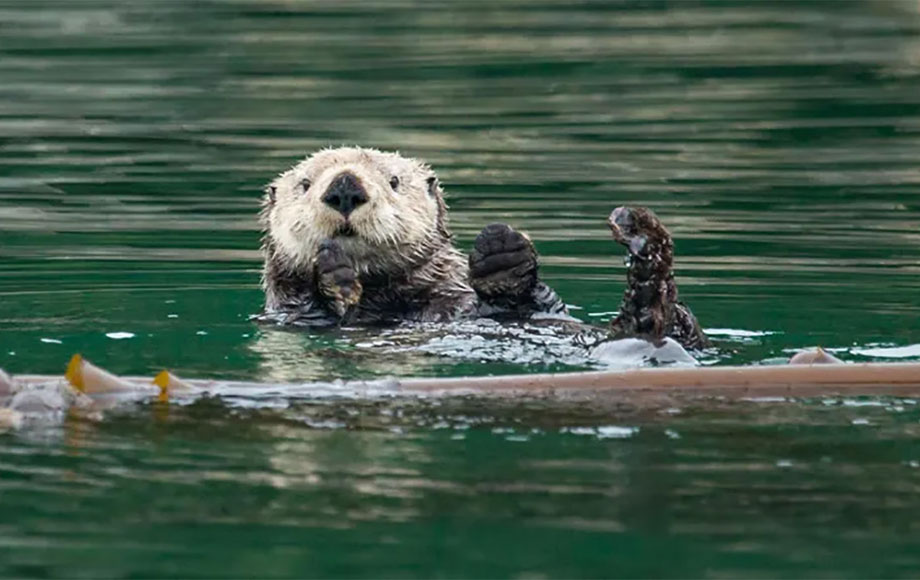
(345, 193)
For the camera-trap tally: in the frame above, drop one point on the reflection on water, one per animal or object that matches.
(472, 487)
(779, 141)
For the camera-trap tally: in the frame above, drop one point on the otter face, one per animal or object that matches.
(373, 203)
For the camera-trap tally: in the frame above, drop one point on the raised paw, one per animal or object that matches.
(503, 264)
(650, 307)
(336, 278)
(640, 231)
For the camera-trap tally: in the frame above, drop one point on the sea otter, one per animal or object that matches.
(359, 236)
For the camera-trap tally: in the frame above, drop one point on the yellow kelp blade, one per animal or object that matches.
(88, 378)
(168, 383)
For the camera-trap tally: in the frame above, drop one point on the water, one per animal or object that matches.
(778, 142)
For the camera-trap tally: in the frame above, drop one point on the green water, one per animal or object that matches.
(779, 141)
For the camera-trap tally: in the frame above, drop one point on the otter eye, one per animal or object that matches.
(394, 182)
(305, 184)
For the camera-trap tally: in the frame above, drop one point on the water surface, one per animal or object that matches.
(780, 143)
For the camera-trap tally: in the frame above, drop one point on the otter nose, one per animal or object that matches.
(344, 194)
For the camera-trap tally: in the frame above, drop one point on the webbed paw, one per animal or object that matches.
(503, 264)
(336, 278)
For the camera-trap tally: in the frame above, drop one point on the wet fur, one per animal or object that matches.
(650, 308)
(392, 258)
(402, 248)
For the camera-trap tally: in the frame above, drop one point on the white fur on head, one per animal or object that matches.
(393, 221)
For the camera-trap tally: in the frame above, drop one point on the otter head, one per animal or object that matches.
(379, 206)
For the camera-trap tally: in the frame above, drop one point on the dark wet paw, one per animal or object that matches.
(336, 277)
(503, 263)
(639, 230)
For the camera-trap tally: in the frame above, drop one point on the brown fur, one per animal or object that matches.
(354, 235)
(650, 308)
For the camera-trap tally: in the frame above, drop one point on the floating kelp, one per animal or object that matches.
(87, 387)
(90, 379)
(170, 383)
(84, 387)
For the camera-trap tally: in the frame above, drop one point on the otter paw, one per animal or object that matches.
(336, 278)
(639, 230)
(503, 264)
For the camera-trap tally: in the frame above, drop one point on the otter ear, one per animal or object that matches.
(270, 191)
(432, 185)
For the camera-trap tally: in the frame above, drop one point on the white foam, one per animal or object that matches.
(603, 432)
(910, 351)
(738, 333)
(119, 335)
